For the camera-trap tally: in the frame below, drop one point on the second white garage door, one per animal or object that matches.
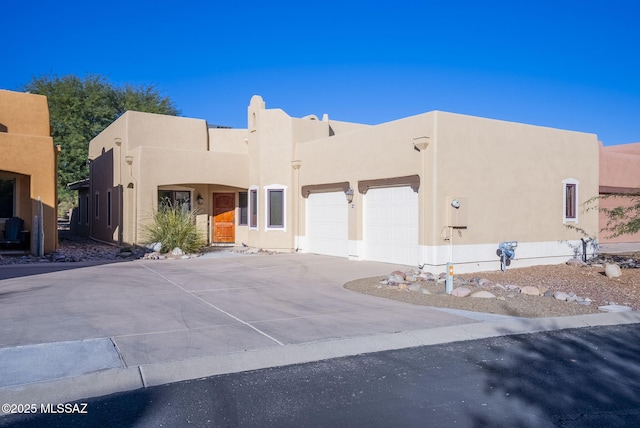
(327, 224)
(390, 225)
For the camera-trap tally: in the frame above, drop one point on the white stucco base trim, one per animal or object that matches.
(483, 257)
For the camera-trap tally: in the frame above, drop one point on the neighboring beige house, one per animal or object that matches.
(385, 192)
(28, 173)
(619, 173)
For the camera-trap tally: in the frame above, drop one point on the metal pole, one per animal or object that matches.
(449, 280)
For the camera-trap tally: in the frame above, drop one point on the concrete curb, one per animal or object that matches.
(125, 379)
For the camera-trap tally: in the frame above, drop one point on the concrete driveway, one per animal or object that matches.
(94, 330)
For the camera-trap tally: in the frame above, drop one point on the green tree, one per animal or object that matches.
(80, 108)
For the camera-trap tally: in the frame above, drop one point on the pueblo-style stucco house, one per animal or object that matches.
(619, 174)
(423, 190)
(28, 173)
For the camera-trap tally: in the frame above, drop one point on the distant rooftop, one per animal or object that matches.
(210, 125)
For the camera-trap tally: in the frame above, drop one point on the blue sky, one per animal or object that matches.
(565, 64)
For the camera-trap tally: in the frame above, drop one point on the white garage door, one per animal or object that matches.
(390, 225)
(327, 224)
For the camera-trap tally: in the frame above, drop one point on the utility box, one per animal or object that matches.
(457, 211)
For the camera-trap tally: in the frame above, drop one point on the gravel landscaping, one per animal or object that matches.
(584, 281)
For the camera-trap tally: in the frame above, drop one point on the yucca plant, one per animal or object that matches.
(173, 226)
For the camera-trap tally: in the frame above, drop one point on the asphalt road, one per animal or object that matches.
(587, 377)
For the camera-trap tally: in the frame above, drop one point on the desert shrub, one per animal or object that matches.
(173, 227)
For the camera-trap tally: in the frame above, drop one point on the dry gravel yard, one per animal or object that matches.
(585, 281)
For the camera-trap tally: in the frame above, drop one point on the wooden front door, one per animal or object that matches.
(224, 205)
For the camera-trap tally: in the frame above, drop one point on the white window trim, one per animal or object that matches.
(565, 182)
(249, 207)
(282, 187)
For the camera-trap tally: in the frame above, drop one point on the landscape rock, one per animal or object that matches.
(155, 247)
(396, 278)
(414, 287)
(427, 276)
(484, 294)
(614, 308)
(177, 252)
(612, 270)
(483, 282)
(576, 262)
(560, 295)
(530, 290)
(399, 273)
(460, 292)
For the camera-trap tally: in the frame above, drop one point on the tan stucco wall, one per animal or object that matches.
(365, 153)
(509, 174)
(619, 172)
(163, 151)
(28, 151)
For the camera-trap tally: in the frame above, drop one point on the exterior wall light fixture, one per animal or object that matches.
(349, 194)
(199, 199)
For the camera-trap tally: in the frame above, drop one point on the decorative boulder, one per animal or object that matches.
(177, 252)
(395, 278)
(612, 270)
(484, 294)
(399, 273)
(560, 295)
(530, 290)
(460, 292)
(427, 276)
